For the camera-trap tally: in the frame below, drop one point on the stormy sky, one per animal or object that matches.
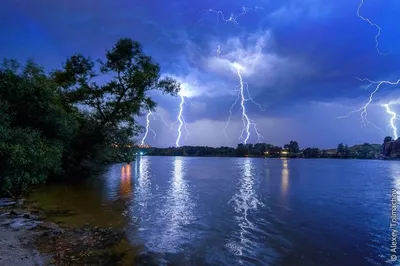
(299, 59)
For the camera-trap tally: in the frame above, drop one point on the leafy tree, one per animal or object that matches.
(365, 151)
(34, 126)
(132, 75)
(311, 152)
(113, 105)
(52, 124)
(387, 139)
(292, 147)
(343, 151)
(340, 148)
(242, 150)
(260, 148)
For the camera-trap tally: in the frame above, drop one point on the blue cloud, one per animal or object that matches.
(308, 51)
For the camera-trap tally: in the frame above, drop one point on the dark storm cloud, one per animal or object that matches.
(311, 50)
(335, 49)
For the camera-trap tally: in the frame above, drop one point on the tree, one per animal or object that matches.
(112, 106)
(342, 151)
(387, 139)
(34, 126)
(292, 147)
(242, 150)
(311, 152)
(346, 151)
(133, 75)
(260, 148)
(52, 124)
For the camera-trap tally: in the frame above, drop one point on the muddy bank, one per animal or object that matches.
(15, 236)
(13, 251)
(27, 237)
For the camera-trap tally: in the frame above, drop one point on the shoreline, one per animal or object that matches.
(264, 157)
(13, 250)
(28, 238)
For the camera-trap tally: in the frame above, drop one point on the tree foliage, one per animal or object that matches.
(292, 147)
(311, 152)
(387, 139)
(75, 118)
(364, 151)
(33, 126)
(131, 74)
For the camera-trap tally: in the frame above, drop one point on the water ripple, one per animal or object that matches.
(246, 202)
(245, 211)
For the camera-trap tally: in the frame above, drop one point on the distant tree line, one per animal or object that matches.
(291, 150)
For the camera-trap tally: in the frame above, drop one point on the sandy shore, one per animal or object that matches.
(14, 248)
(27, 237)
(16, 238)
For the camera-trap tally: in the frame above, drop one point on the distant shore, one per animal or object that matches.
(290, 150)
(265, 157)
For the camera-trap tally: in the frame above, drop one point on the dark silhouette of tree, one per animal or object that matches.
(113, 105)
(387, 139)
(52, 124)
(343, 151)
(340, 150)
(311, 153)
(242, 150)
(292, 147)
(365, 151)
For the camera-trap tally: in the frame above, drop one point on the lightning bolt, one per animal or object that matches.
(243, 87)
(247, 122)
(393, 118)
(148, 127)
(379, 29)
(181, 120)
(363, 110)
(232, 18)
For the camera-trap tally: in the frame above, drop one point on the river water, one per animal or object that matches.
(241, 211)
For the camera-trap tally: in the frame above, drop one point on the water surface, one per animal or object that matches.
(241, 211)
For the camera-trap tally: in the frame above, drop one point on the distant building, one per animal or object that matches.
(144, 146)
(273, 152)
(328, 152)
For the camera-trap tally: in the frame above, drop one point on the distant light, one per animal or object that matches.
(141, 153)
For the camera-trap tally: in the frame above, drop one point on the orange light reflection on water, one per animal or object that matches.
(125, 185)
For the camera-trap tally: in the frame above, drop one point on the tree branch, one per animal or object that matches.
(122, 95)
(98, 105)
